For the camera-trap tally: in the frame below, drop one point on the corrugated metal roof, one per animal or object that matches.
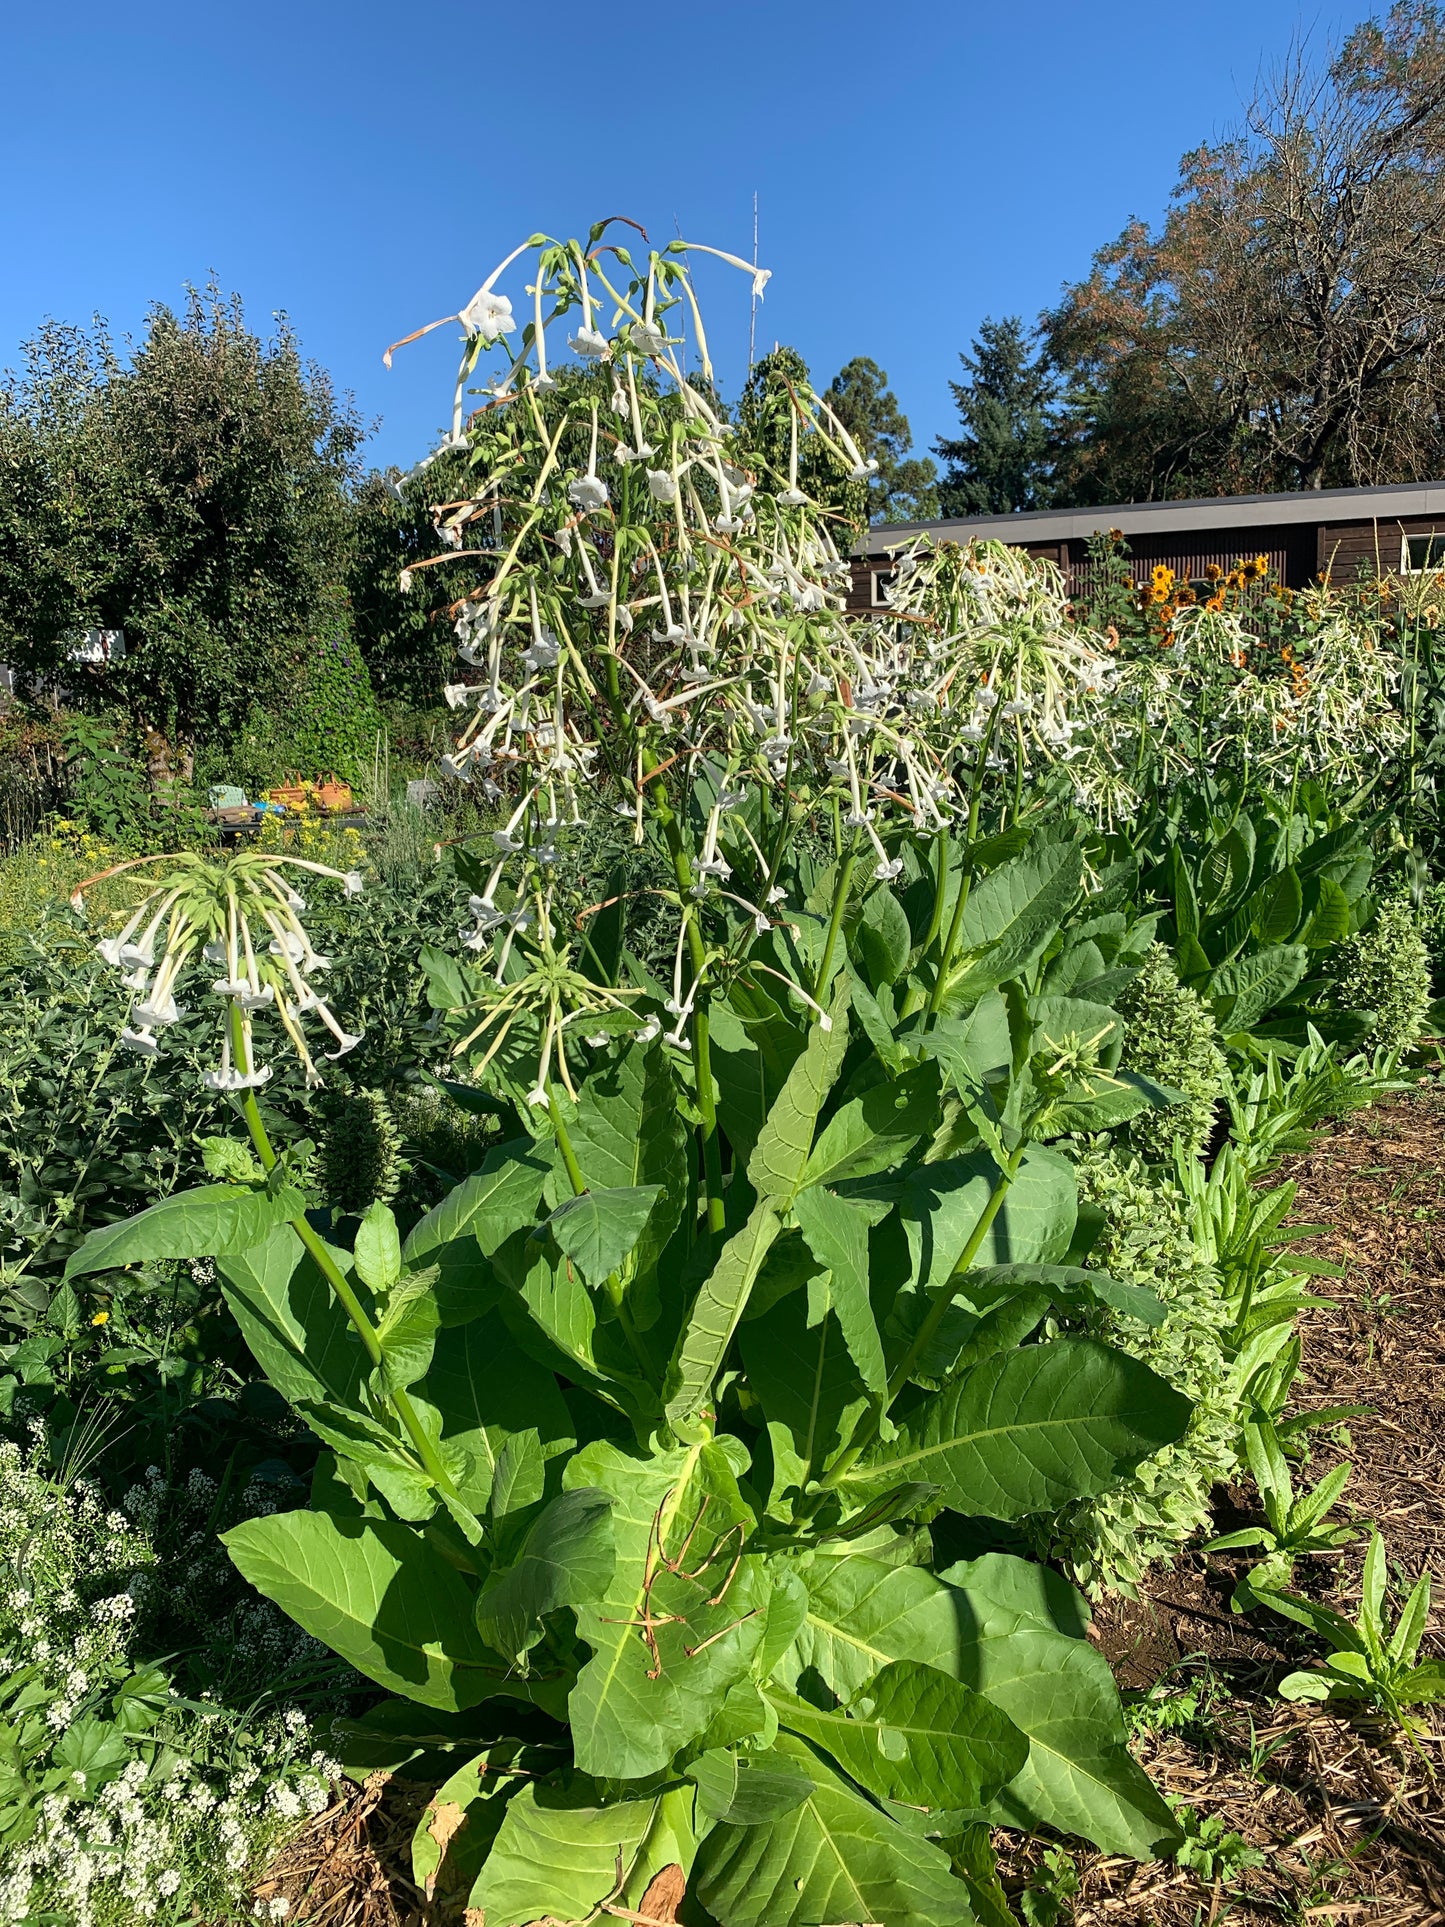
(1386, 504)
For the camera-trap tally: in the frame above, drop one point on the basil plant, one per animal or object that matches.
(664, 1465)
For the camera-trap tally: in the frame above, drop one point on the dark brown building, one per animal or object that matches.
(1340, 530)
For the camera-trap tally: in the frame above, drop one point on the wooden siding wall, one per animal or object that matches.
(1349, 549)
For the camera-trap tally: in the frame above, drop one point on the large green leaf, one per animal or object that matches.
(462, 1819)
(836, 1232)
(862, 1614)
(882, 938)
(628, 1134)
(212, 1221)
(1057, 1689)
(554, 1297)
(296, 1331)
(972, 1048)
(486, 1390)
(599, 1229)
(1012, 914)
(716, 1311)
(915, 1735)
(754, 1046)
(780, 1156)
(566, 1559)
(1080, 1776)
(1276, 908)
(489, 1205)
(942, 1203)
(663, 1657)
(561, 1852)
(800, 1371)
(875, 1132)
(747, 1789)
(379, 1595)
(1246, 990)
(834, 1857)
(1028, 1430)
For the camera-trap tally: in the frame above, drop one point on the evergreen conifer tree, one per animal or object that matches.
(1002, 460)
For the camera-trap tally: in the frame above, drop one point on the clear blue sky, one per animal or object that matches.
(918, 165)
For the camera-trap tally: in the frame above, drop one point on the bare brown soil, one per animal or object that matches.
(1345, 1816)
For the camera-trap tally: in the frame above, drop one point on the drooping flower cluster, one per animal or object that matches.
(658, 626)
(236, 919)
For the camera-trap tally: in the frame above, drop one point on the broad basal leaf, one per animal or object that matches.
(664, 1655)
(380, 1596)
(915, 1735)
(486, 1390)
(747, 1789)
(1031, 1429)
(212, 1221)
(834, 1857)
(560, 1853)
(1080, 1776)
(801, 1372)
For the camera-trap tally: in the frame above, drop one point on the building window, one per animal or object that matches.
(1424, 552)
(882, 582)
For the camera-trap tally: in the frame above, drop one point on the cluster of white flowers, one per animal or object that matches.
(167, 1843)
(236, 917)
(184, 1826)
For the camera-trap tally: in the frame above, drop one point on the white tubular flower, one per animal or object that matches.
(588, 492)
(542, 652)
(162, 1010)
(662, 485)
(140, 1040)
(353, 883)
(489, 315)
(647, 339)
(457, 694)
(590, 343)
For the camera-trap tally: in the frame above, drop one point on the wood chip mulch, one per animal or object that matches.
(1344, 1817)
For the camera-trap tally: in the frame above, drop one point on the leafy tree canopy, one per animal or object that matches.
(196, 496)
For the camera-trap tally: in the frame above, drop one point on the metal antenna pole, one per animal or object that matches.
(753, 311)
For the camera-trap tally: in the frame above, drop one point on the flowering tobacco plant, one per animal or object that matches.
(636, 1471)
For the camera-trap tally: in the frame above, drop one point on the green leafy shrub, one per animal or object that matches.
(1385, 972)
(1107, 1542)
(1432, 931)
(128, 1791)
(1173, 1038)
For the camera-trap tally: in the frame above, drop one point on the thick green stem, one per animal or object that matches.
(316, 1246)
(835, 922)
(701, 1040)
